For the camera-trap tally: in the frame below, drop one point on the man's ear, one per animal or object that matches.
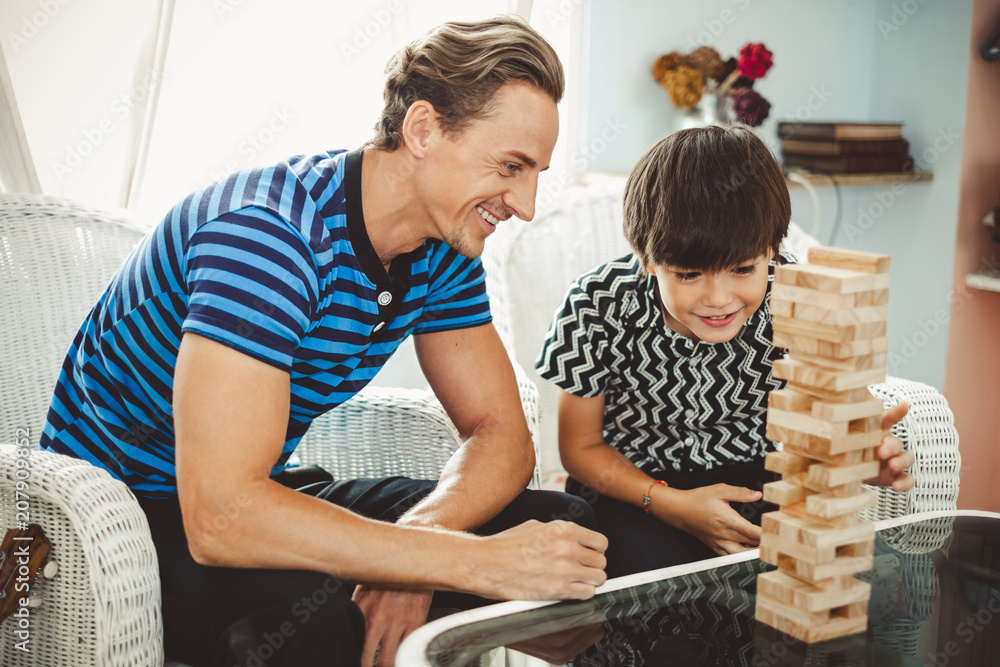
(420, 126)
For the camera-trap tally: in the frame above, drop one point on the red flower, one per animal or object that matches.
(754, 61)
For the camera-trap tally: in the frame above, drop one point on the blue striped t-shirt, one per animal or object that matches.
(274, 262)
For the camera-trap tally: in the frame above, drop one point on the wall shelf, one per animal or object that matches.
(988, 281)
(820, 180)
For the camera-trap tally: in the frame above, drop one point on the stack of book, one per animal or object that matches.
(845, 148)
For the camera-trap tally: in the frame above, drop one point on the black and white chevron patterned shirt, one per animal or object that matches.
(669, 403)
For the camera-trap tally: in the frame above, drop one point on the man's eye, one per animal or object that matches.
(512, 168)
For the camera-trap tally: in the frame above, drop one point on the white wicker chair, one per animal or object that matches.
(530, 267)
(103, 608)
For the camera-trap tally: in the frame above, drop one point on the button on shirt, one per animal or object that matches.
(670, 403)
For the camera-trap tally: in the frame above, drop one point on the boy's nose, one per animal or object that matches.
(717, 294)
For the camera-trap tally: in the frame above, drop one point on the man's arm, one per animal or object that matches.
(471, 374)
(231, 415)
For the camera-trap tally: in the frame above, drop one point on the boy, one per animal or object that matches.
(664, 357)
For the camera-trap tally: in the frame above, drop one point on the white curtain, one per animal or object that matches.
(137, 104)
(17, 169)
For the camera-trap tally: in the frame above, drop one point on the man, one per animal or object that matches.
(270, 298)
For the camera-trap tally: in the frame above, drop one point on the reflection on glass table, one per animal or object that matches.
(935, 600)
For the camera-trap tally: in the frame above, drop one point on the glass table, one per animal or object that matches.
(935, 601)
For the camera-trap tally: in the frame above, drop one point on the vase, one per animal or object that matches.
(711, 110)
(718, 109)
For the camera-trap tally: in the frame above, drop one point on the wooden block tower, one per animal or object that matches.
(830, 314)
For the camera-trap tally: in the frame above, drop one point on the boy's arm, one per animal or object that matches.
(703, 512)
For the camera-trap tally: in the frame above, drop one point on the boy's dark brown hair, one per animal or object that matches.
(706, 199)
(458, 67)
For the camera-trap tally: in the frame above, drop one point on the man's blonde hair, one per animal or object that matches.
(458, 67)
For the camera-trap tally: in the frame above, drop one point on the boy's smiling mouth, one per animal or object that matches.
(718, 320)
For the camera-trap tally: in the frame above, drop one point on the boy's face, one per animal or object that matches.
(711, 307)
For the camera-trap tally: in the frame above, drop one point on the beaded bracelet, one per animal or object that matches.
(646, 497)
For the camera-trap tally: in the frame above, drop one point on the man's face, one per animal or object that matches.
(711, 306)
(480, 177)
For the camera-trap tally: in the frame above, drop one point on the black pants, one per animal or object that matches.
(235, 617)
(638, 542)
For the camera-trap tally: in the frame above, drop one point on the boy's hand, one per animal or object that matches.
(893, 460)
(705, 513)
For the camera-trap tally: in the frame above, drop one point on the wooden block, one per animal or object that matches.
(804, 422)
(825, 278)
(860, 363)
(856, 558)
(829, 333)
(865, 424)
(786, 589)
(822, 448)
(830, 476)
(786, 399)
(788, 622)
(846, 490)
(781, 308)
(852, 260)
(846, 459)
(849, 396)
(803, 374)
(813, 532)
(878, 297)
(871, 407)
(781, 292)
(826, 505)
(842, 521)
(823, 348)
(784, 463)
(841, 316)
(784, 493)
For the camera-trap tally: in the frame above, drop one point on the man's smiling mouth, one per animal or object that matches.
(487, 216)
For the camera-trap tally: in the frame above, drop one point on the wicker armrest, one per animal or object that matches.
(391, 431)
(103, 605)
(928, 431)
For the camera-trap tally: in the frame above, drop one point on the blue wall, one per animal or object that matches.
(900, 60)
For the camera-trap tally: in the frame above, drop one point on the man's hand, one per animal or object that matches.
(558, 560)
(893, 459)
(705, 513)
(390, 615)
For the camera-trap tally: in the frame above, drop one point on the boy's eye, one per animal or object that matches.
(744, 270)
(687, 275)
